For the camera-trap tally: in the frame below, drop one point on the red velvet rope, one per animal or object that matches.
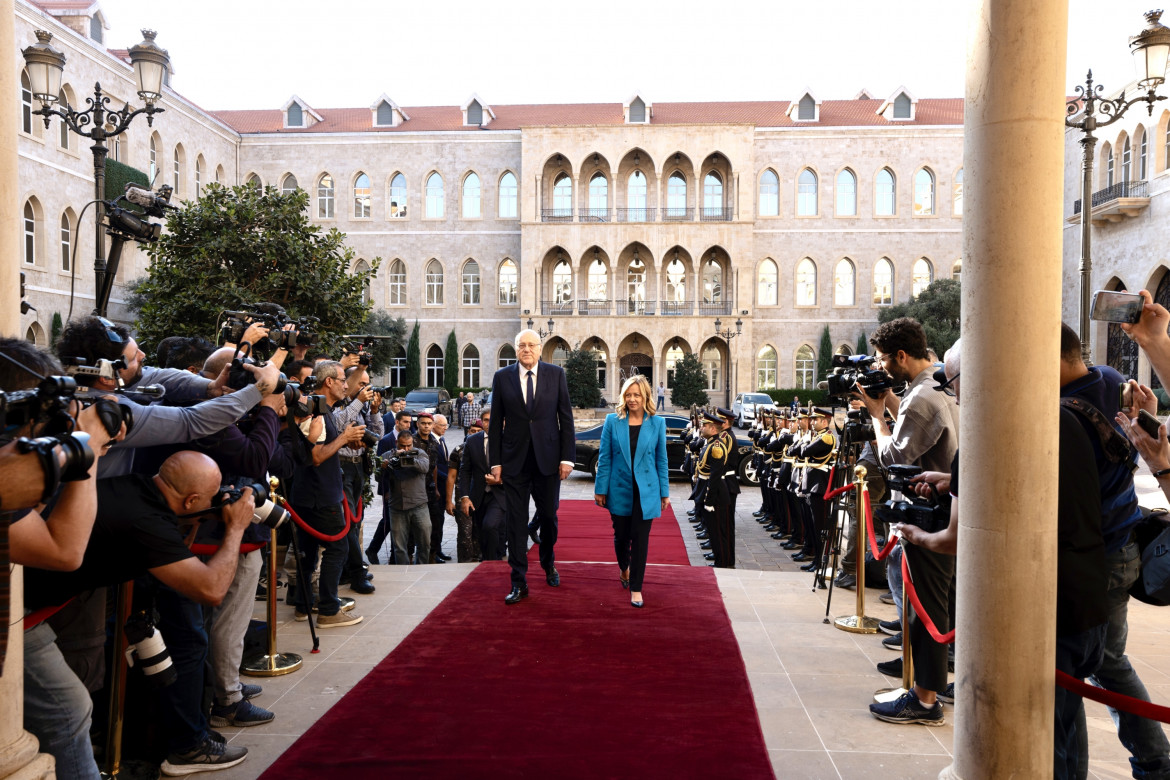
(831, 494)
(883, 553)
(1117, 701)
(313, 531)
(350, 517)
(938, 636)
(212, 549)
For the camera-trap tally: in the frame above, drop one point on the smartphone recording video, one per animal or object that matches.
(1109, 306)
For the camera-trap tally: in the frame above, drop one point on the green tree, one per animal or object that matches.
(451, 364)
(581, 374)
(380, 323)
(55, 330)
(825, 355)
(690, 382)
(237, 246)
(937, 308)
(413, 373)
(862, 344)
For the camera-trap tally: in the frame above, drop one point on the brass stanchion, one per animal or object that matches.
(859, 623)
(272, 663)
(892, 694)
(113, 757)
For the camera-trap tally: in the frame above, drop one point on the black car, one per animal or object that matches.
(589, 444)
(435, 400)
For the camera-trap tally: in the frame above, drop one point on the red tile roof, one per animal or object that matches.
(834, 113)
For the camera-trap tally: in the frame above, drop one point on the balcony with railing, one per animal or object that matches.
(716, 214)
(556, 215)
(678, 308)
(629, 307)
(594, 215)
(625, 214)
(636, 215)
(1115, 203)
(595, 307)
(626, 307)
(715, 308)
(558, 307)
(678, 214)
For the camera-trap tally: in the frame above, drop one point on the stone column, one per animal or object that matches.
(1014, 158)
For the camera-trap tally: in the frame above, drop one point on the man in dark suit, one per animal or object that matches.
(531, 446)
(482, 496)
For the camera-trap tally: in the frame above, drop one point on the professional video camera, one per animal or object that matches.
(148, 651)
(931, 515)
(48, 403)
(858, 428)
(305, 405)
(272, 316)
(362, 345)
(108, 369)
(267, 513)
(400, 459)
(849, 371)
(127, 224)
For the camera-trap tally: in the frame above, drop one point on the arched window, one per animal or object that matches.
(1126, 160)
(434, 196)
(883, 283)
(178, 169)
(198, 176)
(471, 207)
(434, 283)
(562, 283)
(219, 174)
(599, 196)
(361, 197)
(288, 185)
(713, 196)
(957, 207)
(766, 368)
(636, 284)
(30, 234)
(710, 359)
(676, 281)
(254, 182)
(957, 270)
(806, 194)
(846, 194)
(26, 109)
(636, 197)
(508, 205)
(1108, 166)
(1143, 153)
(506, 356)
(325, 197)
(712, 282)
(923, 193)
(434, 366)
(116, 151)
(62, 126)
(66, 242)
(921, 276)
(397, 284)
(153, 159)
(766, 294)
(471, 283)
(843, 283)
(598, 280)
(563, 196)
(676, 197)
(806, 283)
(398, 368)
(363, 267)
(509, 281)
(673, 355)
(398, 196)
(602, 360)
(885, 198)
(560, 355)
(296, 115)
(470, 366)
(769, 194)
(805, 367)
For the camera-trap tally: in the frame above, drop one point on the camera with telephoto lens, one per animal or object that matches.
(858, 427)
(849, 371)
(382, 390)
(148, 651)
(358, 348)
(311, 406)
(931, 515)
(369, 439)
(268, 512)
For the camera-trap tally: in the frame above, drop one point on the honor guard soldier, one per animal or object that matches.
(778, 441)
(782, 474)
(730, 479)
(792, 489)
(818, 456)
(761, 436)
(711, 496)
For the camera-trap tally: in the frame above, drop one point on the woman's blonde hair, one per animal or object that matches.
(639, 381)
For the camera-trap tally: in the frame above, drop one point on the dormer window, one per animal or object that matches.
(902, 107)
(297, 113)
(295, 116)
(899, 107)
(385, 114)
(475, 113)
(95, 28)
(807, 109)
(637, 111)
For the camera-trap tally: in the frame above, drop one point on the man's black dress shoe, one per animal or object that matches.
(790, 545)
(691, 512)
(709, 556)
(552, 576)
(516, 595)
(771, 528)
(361, 585)
(706, 545)
(533, 534)
(442, 557)
(759, 513)
(702, 536)
(800, 557)
(372, 556)
(809, 566)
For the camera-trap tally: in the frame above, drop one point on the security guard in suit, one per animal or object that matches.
(818, 457)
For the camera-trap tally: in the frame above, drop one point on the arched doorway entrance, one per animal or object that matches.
(636, 363)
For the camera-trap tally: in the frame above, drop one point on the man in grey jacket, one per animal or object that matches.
(409, 516)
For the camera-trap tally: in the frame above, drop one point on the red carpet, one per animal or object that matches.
(585, 533)
(571, 683)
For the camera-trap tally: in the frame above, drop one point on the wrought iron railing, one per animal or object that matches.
(677, 214)
(556, 215)
(636, 215)
(594, 215)
(716, 214)
(635, 307)
(677, 308)
(715, 308)
(595, 307)
(558, 307)
(1124, 189)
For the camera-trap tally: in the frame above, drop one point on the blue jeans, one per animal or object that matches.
(1078, 655)
(181, 703)
(57, 707)
(661, 403)
(1143, 738)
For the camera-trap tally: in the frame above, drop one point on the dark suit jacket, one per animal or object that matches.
(549, 429)
(472, 469)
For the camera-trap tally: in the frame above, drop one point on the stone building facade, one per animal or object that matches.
(631, 227)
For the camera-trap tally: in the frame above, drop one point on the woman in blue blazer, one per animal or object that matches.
(632, 478)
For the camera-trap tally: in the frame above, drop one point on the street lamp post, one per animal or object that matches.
(542, 332)
(45, 66)
(1150, 49)
(727, 334)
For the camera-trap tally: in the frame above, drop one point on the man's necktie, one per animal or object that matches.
(531, 392)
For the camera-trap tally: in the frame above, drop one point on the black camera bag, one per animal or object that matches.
(1152, 535)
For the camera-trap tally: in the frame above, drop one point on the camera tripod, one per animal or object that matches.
(841, 510)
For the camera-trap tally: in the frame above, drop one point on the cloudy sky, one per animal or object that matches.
(256, 53)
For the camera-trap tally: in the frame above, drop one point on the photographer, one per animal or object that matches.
(467, 540)
(316, 497)
(139, 529)
(407, 467)
(926, 434)
(360, 407)
(429, 444)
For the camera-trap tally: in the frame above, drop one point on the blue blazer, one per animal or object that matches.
(617, 467)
